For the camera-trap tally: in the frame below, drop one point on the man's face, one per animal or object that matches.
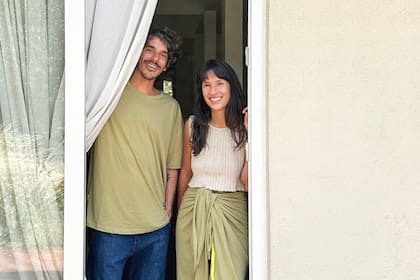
(153, 59)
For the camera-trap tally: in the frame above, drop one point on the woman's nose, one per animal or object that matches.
(213, 88)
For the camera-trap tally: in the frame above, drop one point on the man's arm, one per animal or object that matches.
(171, 180)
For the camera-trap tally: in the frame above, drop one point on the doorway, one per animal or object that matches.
(209, 29)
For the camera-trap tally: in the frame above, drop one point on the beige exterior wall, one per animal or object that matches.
(344, 139)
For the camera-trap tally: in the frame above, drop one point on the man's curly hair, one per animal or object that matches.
(172, 39)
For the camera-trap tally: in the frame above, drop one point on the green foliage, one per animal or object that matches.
(31, 194)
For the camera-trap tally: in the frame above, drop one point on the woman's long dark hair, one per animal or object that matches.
(233, 114)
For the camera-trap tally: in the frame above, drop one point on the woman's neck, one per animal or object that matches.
(218, 119)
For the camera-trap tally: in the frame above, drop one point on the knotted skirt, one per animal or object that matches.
(212, 235)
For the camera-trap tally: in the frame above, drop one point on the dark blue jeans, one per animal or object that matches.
(138, 256)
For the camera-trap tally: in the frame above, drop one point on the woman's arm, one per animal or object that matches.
(244, 175)
(244, 172)
(186, 173)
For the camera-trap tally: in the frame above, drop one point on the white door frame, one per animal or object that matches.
(74, 171)
(257, 92)
(74, 148)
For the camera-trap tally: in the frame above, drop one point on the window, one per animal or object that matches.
(31, 139)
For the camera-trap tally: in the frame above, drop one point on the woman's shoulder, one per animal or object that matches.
(190, 121)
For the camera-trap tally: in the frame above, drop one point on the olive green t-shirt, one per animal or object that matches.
(127, 180)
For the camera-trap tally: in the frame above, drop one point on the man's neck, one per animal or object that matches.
(143, 85)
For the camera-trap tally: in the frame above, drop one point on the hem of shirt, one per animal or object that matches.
(171, 167)
(113, 230)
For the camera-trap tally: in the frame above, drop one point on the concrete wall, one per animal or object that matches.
(344, 139)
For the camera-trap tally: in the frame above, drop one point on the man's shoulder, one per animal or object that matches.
(170, 99)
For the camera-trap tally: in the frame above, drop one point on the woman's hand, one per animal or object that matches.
(245, 113)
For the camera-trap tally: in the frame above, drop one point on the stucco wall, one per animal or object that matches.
(344, 139)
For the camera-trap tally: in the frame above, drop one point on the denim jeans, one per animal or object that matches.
(137, 256)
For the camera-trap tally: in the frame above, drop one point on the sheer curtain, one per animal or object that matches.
(32, 117)
(115, 34)
(31, 139)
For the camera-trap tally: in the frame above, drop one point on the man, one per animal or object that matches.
(134, 172)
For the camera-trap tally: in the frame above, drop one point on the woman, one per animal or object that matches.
(212, 229)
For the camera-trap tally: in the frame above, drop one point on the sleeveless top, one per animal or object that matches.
(220, 162)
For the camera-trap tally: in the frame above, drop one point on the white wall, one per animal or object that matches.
(344, 139)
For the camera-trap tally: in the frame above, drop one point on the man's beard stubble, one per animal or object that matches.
(144, 74)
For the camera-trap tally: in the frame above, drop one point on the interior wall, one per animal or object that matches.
(233, 37)
(209, 29)
(200, 23)
(343, 141)
(189, 27)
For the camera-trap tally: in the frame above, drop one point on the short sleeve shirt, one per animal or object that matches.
(127, 180)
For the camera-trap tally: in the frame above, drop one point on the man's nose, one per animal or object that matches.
(155, 57)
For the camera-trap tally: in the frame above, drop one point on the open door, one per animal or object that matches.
(209, 29)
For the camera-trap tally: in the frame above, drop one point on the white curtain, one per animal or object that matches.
(115, 34)
(31, 139)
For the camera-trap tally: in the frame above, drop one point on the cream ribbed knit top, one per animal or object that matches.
(219, 165)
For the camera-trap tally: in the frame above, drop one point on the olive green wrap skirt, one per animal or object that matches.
(212, 235)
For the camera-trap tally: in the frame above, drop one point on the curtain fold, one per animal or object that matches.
(31, 139)
(115, 35)
(32, 117)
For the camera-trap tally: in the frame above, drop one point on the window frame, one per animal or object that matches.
(75, 159)
(74, 148)
(257, 92)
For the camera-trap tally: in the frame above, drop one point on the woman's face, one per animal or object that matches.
(216, 92)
